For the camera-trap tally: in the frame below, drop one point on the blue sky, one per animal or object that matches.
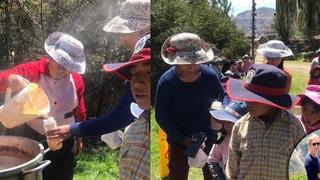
(239, 6)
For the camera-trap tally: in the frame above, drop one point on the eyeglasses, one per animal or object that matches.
(316, 144)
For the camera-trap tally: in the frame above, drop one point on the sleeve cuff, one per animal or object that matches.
(74, 129)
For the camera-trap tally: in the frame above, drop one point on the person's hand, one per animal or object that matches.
(17, 82)
(63, 132)
(188, 140)
(318, 175)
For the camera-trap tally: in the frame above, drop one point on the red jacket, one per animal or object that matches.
(32, 71)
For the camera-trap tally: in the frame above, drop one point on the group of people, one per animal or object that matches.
(236, 69)
(251, 134)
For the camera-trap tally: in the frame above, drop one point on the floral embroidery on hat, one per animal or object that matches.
(250, 75)
(170, 50)
(141, 43)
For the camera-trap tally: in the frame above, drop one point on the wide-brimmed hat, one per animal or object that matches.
(312, 92)
(246, 56)
(142, 52)
(318, 51)
(274, 49)
(134, 16)
(186, 48)
(66, 51)
(264, 84)
(232, 112)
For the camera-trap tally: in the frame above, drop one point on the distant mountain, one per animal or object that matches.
(264, 20)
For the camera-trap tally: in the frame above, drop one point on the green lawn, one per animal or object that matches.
(298, 176)
(299, 77)
(97, 162)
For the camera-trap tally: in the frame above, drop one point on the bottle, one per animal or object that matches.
(53, 143)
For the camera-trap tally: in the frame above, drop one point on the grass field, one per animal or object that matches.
(97, 163)
(298, 176)
(300, 75)
(101, 163)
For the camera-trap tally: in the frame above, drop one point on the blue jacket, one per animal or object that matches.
(118, 118)
(183, 108)
(312, 166)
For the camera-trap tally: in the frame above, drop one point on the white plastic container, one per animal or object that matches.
(53, 143)
(30, 103)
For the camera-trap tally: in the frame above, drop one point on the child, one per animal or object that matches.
(219, 153)
(275, 52)
(263, 140)
(310, 102)
(184, 94)
(314, 75)
(135, 149)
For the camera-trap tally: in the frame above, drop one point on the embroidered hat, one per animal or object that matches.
(186, 48)
(134, 16)
(66, 51)
(264, 84)
(232, 112)
(274, 49)
(142, 52)
(312, 92)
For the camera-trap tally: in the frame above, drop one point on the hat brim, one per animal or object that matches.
(167, 58)
(313, 98)
(222, 115)
(274, 53)
(122, 25)
(123, 69)
(237, 91)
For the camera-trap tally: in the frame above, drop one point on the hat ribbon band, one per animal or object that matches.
(233, 112)
(265, 90)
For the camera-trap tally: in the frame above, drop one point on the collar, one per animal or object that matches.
(136, 111)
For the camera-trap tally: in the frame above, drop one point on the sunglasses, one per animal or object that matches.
(316, 144)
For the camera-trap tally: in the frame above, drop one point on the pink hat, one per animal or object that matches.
(312, 92)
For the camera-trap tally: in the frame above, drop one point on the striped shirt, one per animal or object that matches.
(135, 150)
(257, 152)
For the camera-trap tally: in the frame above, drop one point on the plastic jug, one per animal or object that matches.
(30, 103)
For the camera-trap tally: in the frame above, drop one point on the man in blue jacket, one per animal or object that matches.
(312, 161)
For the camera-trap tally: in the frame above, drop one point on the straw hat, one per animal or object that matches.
(186, 48)
(134, 16)
(66, 51)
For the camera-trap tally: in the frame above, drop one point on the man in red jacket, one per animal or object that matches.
(58, 74)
